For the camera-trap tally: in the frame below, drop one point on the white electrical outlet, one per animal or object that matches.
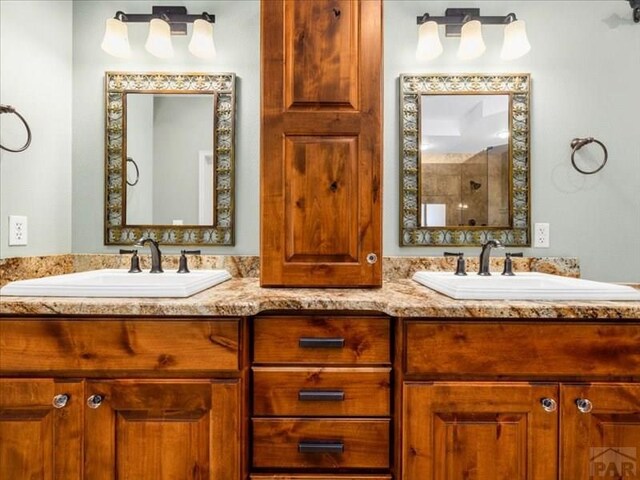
(17, 230)
(541, 235)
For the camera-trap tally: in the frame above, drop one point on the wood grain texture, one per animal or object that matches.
(322, 51)
(275, 443)
(366, 391)
(604, 443)
(366, 340)
(321, 186)
(98, 346)
(542, 350)
(227, 437)
(162, 430)
(321, 109)
(38, 441)
(479, 430)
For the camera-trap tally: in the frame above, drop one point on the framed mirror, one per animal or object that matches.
(169, 158)
(464, 159)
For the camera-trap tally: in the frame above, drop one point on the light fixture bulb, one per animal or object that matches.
(116, 39)
(201, 44)
(429, 44)
(516, 44)
(471, 42)
(159, 40)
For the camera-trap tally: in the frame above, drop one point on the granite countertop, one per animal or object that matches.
(245, 297)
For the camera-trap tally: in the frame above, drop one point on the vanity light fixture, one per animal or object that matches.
(466, 23)
(635, 5)
(163, 22)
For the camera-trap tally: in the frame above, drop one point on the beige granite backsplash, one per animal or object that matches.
(248, 266)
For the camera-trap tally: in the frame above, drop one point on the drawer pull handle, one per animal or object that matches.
(321, 396)
(308, 342)
(318, 446)
(61, 400)
(584, 405)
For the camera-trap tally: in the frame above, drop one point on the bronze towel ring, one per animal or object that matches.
(10, 109)
(578, 143)
(135, 182)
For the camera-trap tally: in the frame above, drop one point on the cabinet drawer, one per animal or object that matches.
(321, 391)
(316, 443)
(322, 339)
(523, 350)
(107, 347)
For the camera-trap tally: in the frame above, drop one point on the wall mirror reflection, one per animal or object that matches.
(169, 158)
(465, 159)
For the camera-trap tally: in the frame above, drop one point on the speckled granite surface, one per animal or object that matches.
(394, 268)
(245, 297)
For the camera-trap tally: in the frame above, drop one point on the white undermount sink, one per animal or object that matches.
(523, 286)
(117, 283)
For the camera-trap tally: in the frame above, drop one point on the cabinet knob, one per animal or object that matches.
(61, 400)
(584, 405)
(549, 404)
(94, 401)
(372, 258)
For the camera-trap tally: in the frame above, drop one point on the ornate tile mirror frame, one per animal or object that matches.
(412, 88)
(222, 88)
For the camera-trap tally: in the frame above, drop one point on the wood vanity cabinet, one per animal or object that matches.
(510, 400)
(143, 398)
(321, 154)
(321, 397)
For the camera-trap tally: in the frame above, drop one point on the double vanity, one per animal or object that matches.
(240, 381)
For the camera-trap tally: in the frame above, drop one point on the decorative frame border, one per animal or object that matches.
(222, 86)
(412, 86)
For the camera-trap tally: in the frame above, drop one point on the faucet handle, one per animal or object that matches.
(460, 264)
(183, 267)
(508, 264)
(135, 260)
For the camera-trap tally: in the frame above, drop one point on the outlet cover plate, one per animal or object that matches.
(541, 235)
(17, 230)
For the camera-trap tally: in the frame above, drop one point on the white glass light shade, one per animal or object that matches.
(471, 42)
(159, 40)
(516, 44)
(116, 39)
(201, 44)
(429, 44)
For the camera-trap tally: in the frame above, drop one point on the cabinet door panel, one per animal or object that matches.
(321, 41)
(163, 430)
(603, 442)
(483, 431)
(38, 441)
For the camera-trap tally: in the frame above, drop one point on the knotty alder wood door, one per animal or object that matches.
(484, 431)
(321, 170)
(40, 441)
(600, 431)
(163, 430)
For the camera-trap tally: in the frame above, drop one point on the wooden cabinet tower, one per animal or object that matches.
(321, 169)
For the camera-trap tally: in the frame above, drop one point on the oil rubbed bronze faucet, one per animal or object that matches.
(156, 255)
(486, 254)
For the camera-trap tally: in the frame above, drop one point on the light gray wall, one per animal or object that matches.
(585, 68)
(183, 126)
(584, 65)
(140, 149)
(237, 38)
(35, 77)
